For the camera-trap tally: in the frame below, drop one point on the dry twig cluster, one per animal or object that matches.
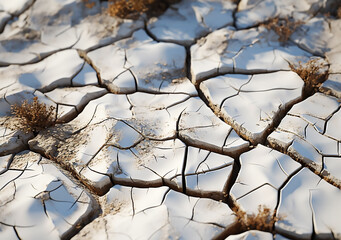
(283, 27)
(89, 4)
(34, 116)
(134, 8)
(264, 220)
(313, 73)
(333, 8)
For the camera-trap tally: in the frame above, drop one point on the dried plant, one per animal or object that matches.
(126, 8)
(89, 4)
(134, 8)
(283, 27)
(34, 116)
(313, 73)
(264, 220)
(332, 8)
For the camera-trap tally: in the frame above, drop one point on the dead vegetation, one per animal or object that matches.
(33, 116)
(89, 4)
(132, 9)
(332, 8)
(264, 220)
(313, 73)
(283, 27)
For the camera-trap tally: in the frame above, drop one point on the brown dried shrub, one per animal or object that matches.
(313, 73)
(283, 27)
(264, 220)
(88, 4)
(34, 116)
(134, 8)
(332, 8)
(124, 8)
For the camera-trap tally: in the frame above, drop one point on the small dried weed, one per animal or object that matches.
(34, 116)
(88, 4)
(332, 8)
(264, 220)
(313, 73)
(132, 9)
(283, 27)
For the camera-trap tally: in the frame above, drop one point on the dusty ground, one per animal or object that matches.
(215, 120)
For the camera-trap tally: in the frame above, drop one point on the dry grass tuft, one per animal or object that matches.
(313, 73)
(332, 8)
(126, 8)
(132, 9)
(34, 116)
(338, 12)
(88, 4)
(283, 27)
(264, 220)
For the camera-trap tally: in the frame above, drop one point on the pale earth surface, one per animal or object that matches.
(169, 122)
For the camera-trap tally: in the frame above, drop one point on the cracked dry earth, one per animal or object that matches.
(171, 125)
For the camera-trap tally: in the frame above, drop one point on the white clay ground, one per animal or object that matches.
(170, 123)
